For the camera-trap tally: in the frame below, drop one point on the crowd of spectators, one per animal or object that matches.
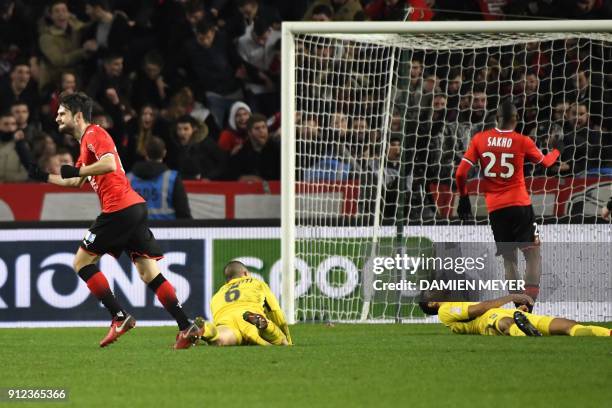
(203, 76)
(562, 90)
(189, 72)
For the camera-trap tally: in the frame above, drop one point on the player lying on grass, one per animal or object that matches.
(245, 311)
(489, 319)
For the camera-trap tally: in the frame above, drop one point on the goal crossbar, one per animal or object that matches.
(385, 27)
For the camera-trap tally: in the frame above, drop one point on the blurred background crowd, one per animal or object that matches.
(194, 85)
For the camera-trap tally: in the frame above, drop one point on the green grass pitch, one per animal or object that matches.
(341, 366)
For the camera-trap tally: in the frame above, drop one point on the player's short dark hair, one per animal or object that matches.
(255, 118)
(506, 112)
(323, 9)
(428, 309)
(155, 149)
(77, 102)
(232, 269)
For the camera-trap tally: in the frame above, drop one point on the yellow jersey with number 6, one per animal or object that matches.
(243, 294)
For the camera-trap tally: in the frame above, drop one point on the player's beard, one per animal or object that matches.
(67, 129)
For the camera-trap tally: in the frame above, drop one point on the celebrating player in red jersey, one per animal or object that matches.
(501, 153)
(122, 225)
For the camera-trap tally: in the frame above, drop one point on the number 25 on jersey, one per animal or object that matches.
(506, 167)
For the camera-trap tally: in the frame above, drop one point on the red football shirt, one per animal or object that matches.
(113, 188)
(501, 154)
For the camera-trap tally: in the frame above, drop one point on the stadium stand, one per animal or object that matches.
(145, 77)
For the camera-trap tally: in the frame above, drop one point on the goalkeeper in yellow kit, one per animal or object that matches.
(245, 311)
(489, 319)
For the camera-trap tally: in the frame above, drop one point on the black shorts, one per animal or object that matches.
(124, 230)
(514, 227)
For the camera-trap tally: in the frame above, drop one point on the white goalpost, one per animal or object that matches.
(376, 117)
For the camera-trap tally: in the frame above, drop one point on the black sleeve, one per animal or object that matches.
(273, 164)
(23, 151)
(213, 160)
(213, 128)
(238, 165)
(234, 27)
(253, 73)
(609, 204)
(174, 152)
(232, 50)
(139, 92)
(182, 61)
(180, 200)
(271, 14)
(120, 33)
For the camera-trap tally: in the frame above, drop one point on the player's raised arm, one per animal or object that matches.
(72, 176)
(535, 155)
(75, 182)
(480, 308)
(275, 313)
(35, 173)
(105, 165)
(469, 159)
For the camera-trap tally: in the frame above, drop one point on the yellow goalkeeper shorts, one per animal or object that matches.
(244, 332)
(542, 323)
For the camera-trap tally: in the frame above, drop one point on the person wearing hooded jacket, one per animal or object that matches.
(161, 187)
(194, 153)
(233, 137)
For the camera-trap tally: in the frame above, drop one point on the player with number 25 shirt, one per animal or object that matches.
(501, 153)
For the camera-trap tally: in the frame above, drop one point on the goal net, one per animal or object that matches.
(375, 124)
